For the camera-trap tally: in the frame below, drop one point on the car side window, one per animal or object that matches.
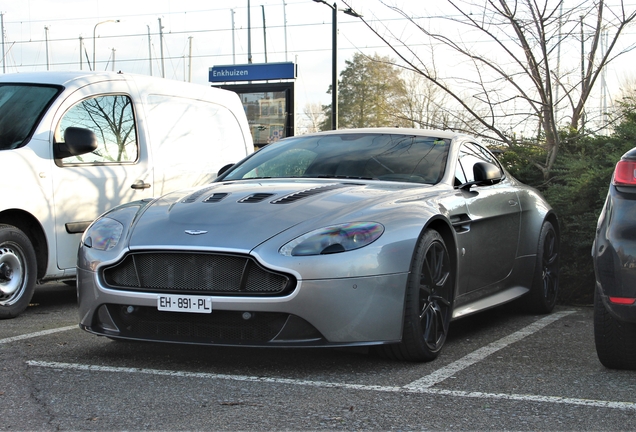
(469, 155)
(112, 120)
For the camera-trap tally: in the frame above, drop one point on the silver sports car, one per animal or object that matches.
(374, 237)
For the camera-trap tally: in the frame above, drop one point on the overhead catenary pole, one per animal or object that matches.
(264, 33)
(190, 59)
(233, 44)
(149, 51)
(46, 42)
(163, 67)
(4, 67)
(285, 27)
(249, 34)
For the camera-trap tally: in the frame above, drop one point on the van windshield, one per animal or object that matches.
(21, 107)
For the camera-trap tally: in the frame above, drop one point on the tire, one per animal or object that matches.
(615, 340)
(545, 284)
(18, 267)
(428, 304)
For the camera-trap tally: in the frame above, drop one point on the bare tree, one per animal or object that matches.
(427, 106)
(517, 75)
(313, 118)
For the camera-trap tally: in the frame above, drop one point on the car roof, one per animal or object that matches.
(397, 131)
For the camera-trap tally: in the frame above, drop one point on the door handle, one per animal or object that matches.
(140, 184)
(512, 202)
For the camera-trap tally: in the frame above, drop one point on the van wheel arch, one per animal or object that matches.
(32, 228)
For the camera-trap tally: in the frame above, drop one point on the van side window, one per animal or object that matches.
(111, 119)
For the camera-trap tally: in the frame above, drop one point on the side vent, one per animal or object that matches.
(215, 197)
(293, 197)
(257, 197)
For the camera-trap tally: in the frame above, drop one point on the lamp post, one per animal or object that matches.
(334, 64)
(94, 31)
(334, 59)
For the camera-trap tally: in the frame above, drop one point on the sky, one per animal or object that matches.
(199, 34)
(295, 30)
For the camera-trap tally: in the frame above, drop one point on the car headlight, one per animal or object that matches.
(334, 239)
(104, 234)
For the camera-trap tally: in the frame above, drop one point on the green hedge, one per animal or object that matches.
(576, 189)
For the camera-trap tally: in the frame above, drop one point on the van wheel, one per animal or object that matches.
(17, 271)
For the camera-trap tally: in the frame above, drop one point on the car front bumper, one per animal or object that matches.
(326, 312)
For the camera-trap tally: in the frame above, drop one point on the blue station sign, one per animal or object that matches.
(252, 72)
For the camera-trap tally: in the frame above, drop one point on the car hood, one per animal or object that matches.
(239, 216)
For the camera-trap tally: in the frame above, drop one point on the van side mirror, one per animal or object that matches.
(77, 141)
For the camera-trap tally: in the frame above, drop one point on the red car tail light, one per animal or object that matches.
(622, 300)
(625, 173)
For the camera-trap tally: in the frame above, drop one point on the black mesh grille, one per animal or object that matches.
(218, 327)
(196, 273)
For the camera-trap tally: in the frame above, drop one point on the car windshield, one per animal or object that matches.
(21, 107)
(376, 156)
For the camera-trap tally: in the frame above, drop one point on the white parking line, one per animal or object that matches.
(422, 386)
(324, 384)
(480, 354)
(37, 334)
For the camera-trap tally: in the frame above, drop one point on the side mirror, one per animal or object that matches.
(224, 169)
(486, 173)
(77, 141)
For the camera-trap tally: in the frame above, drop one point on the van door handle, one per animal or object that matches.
(140, 184)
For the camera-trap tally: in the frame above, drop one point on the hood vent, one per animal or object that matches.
(197, 194)
(215, 197)
(257, 197)
(293, 197)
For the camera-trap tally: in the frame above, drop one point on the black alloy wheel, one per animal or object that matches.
(545, 288)
(428, 307)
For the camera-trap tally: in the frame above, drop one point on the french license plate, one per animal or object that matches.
(184, 303)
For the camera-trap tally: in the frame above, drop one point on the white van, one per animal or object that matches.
(74, 144)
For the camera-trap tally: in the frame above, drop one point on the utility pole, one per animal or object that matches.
(81, 51)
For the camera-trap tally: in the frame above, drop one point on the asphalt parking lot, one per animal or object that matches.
(502, 369)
